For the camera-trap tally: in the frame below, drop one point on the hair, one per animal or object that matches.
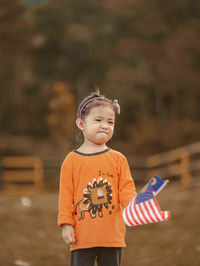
(92, 101)
(96, 100)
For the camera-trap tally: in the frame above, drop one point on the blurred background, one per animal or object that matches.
(146, 54)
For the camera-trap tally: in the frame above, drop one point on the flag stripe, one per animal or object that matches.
(131, 217)
(146, 212)
(161, 212)
(133, 214)
(154, 209)
(151, 211)
(140, 211)
(156, 203)
(167, 215)
(137, 215)
(158, 212)
(127, 216)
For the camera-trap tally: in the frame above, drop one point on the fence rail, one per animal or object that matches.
(26, 173)
(22, 173)
(183, 162)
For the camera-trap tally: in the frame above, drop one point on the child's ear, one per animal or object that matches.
(79, 123)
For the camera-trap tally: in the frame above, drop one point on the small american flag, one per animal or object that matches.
(144, 209)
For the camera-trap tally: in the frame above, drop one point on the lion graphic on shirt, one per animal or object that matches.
(97, 195)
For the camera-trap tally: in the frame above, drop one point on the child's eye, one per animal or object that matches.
(98, 120)
(111, 122)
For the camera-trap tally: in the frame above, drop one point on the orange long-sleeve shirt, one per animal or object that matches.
(93, 190)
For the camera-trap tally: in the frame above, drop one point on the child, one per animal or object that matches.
(95, 186)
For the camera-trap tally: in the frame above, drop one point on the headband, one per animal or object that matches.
(98, 97)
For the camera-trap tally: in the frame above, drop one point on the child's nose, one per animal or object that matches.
(104, 125)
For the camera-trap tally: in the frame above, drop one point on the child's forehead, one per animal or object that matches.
(102, 110)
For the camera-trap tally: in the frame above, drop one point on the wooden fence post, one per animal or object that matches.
(38, 173)
(185, 168)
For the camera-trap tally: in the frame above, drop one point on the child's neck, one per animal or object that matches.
(91, 148)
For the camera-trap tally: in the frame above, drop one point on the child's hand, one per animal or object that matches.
(68, 234)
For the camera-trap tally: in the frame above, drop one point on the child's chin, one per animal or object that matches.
(101, 141)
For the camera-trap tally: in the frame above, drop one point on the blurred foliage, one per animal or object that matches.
(145, 53)
(62, 116)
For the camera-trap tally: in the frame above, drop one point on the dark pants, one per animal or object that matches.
(105, 256)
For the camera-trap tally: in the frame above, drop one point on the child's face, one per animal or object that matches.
(98, 125)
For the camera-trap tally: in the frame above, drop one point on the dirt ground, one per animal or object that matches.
(30, 236)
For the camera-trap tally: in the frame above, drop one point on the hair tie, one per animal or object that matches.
(116, 106)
